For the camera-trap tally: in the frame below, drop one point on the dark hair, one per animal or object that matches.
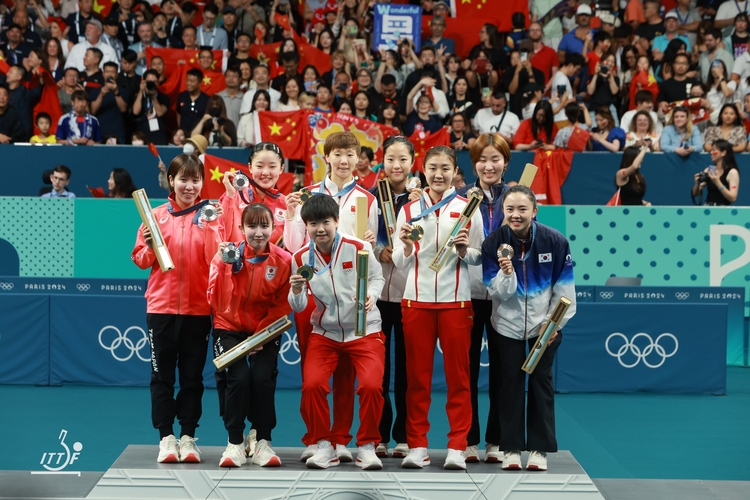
(310, 66)
(256, 213)
(519, 20)
(124, 186)
(110, 64)
(714, 32)
(399, 139)
(80, 95)
(601, 37)
(233, 69)
(442, 150)
(498, 92)
(670, 55)
(326, 30)
(624, 60)
(43, 115)
(288, 56)
(258, 93)
(387, 79)
(97, 53)
(129, 55)
(729, 161)
(743, 16)
(628, 156)
(189, 26)
(138, 134)
(71, 69)
(265, 146)
(354, 98)
(710, 80)
(45, 57)
(396, 122)
(4, 86)
(62, 169)
(549, 120)
(572, 112)
(337, 103)
(737, 120)
(284, 99)
(606, 113)
(151, 72)
(367, 152)
(427, 48)
(211, 9)
(318, 208)
(494, 36)
(190, 164)
(519, 188)
(574, 59)
(323, 85)
(642, 96)
(196, 73)
(453, 89)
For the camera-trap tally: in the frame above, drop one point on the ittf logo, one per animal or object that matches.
(545, 257)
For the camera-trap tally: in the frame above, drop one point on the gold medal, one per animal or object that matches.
(306, 272)
(505, 250)
(416, 233)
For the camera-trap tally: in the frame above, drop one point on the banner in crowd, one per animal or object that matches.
(553, 170)
(287, 129)
(268, 54)
(49, 102)
(177, 62)
(395, 22)
(213, 176)
(423, 141)
(370, 134)
(482, 9)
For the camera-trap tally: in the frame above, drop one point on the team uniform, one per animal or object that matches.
(246, 297)
(522, 302)
(492, 217)
(437, 306)
(229, 225)
(178, 317)
(333, 289)
(295, 238)
(389, 305)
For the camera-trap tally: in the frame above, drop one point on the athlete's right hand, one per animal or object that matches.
(506, 265)
(147, 236)
(228, 179)
(292, 202)
(297, 282)
(386, 255)
(403, 234)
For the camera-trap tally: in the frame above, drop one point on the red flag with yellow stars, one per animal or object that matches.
(49, 101)
(423, 141)
(4, 66)
(487, 10)
(287, 129)
(268, 54)
(177, 62)
(554, 167)
(213, 177)
(103, 7)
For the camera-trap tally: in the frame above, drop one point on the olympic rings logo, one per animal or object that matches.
(122, 339)
(606, 295)
(83, 287)
(652, 348)
(288, 345)
(484, 348)
(6, 286)
(682, 295)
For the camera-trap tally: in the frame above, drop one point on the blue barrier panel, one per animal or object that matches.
(585, 293)
(24, 342)
(733, 297)
(668, 348)
(72, 286)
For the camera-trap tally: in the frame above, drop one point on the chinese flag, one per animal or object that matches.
(487, 11)
(213, 177)
(4, 66)
(287, 129)
(103, 7)
(615, 201)
(554, 167)
(268, 54)
(177, 62)
(423, 141)
(643, 80)
(49, 102)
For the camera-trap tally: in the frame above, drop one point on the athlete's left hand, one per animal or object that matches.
(370, 303)
(370, 237)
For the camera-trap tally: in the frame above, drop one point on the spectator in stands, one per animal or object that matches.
(120, 184)
(209, 35)
(110, 27)
(642, 131)
(124, 17)
(644, 101)
(290, 64)
(157, 64)
(338, 65)
(537, 132)
(680, 136)
(461, 135)
(11, 128)
(660, 43)
(189, 38)
(532, 94)
(482, 74)
(325, 41)
(721, 90)
(21, 99)
(390, 116)
(249, 15)
(652, 28)
(323, 99)
(604, 86)
(606, 136)
(427, 85)
(676, 88)
(68, 85)
(232, 95)
(520, 74)
(53, 59)
(191, 103)
(21, 18)
(214, 126)
(79, 127)
(626, 71)
(146, 35)
(714, 52)
(724, 181)
(730, 129)
(229, 25)
(543, 57)
(688, 19)
(497, 118)
(459, 100)
(362, 106)
(459, 179)
(574, 113)
(60, 178)
(149, 109)
(93, 39)
(242, 53)
(43, 123)
(131, 82)
(290, 93)
(366, 178)
(109, 103)
(726, 13)
(92, 76)
(344, 106)
(342, 87)
(737, 43)
(560, 87)
(491, 45)
(602, 43)
(420, 117)
(17, 48)
(629, 179)
(160, 29)
(76, 23)
(388, 88)
(573, 42)
(437, 27)
(262, 82)
(246, 130)
(553, 30)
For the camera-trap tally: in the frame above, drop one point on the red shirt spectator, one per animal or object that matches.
(525, 136)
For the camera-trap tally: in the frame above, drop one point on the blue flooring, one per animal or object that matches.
(612, 435)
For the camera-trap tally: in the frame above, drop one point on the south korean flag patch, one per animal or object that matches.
(545, 257)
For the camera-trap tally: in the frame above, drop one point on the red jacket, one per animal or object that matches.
(229, 223)
(192, 246)
(254, 297)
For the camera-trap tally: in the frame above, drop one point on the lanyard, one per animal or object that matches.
(737, 4)
(502, 119)
(311, 254)
(195, 208)
(203, 40)
(532, 237)
(173, 26)
(687, 16)
(237, 266)
(427, 211)
(343, 192)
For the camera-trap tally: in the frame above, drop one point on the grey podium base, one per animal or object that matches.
(136, 475)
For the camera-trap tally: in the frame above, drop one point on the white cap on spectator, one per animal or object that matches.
(671, 14)
(583, 9)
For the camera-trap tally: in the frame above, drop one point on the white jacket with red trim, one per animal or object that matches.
(452, 283)
(192, 247)
(335, 290)
(255, 296)
(295, 232)
(229, 224)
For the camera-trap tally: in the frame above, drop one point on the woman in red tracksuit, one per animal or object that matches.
(177, 310)
(437, 305)
(246, 297)
(266, 164)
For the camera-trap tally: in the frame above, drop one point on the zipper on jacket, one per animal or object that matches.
(336, 298)
(249, 291)
(182, 244)
(526, 289)
(437, 249)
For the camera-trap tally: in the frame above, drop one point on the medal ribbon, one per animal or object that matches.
(194, 208)
(311, 254)
(237, 266)
(427, 211)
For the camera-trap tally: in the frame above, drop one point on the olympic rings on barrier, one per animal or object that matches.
(606, 295)
(83, 287)
(641, 354)
(290, 344)
(6, 286)
(122, 339)
(682, 295)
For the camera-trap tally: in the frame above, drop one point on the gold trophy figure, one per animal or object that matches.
(147, 216)
(541, 342)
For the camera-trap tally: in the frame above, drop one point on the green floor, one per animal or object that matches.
(611, 435)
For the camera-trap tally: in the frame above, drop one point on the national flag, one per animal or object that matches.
(268, 54)
(103, 7)
(423, 141)
(49, 101)
(698, 113)
(348, 265)
(615, 201)
(287, 129)
(554, 167)
(213, 176)
(4, 66)
(488, 11)
(579, 139)
(177, 62)
(643, 80)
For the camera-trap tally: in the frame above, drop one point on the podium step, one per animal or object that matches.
(136, 475)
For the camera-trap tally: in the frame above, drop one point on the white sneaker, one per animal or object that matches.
(382, 450)
(325, 456)
(493, 455)
(265, 456)
(472, 454)
(537, 461)
(367, 458)
(189, 453)
(416, 459)
(251, 443)
(309, 451)
(512, 460)
(344, 454)
(168, 453)
(233, 456)
(400, 451)
(455, 460)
